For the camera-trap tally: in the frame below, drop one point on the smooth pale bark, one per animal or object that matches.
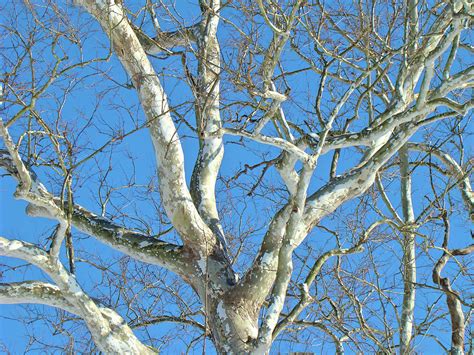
(208, 120)
(200, 242)
(409, 256)
(169, 153)
(109, 331)
(452, 298)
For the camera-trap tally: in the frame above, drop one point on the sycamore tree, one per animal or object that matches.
(259, 173)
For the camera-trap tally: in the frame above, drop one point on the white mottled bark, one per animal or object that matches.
(169, 153)
(409, 256)
(452, 297)
(208, 120)
(109, 331)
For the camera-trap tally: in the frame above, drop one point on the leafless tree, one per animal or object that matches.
(345, 125)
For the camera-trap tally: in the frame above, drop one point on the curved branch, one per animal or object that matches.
(208, 119)
(377, 134)
(108, 329)
(455, 170)
(35, 292)
(277, 142)
(452, 298)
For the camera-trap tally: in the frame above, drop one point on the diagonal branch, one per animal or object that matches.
(35, 292)
(455, 170)
(135, 244)
(132, 243)
(305, 298)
